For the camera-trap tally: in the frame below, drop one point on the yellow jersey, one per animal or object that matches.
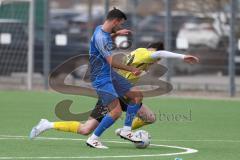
(140, 58)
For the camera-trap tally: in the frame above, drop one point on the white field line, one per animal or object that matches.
(114, 140)
(186, 150)
(197, 140)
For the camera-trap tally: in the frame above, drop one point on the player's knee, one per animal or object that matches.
(117, 114)
(138, 98)
(149, 119)
(152, 118)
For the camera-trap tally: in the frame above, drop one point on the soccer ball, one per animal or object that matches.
(144, 135)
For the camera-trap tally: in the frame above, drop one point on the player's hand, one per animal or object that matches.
(123, 32)
(136, 71)
(191, 59)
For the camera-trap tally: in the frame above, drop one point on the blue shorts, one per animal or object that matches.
(112, 88)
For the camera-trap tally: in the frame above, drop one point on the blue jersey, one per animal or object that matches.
(100, 48)
(108, 84)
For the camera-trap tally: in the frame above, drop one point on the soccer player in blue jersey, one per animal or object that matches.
(108, 84)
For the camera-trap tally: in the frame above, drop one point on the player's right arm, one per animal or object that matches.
(121, 32)
(114, 63)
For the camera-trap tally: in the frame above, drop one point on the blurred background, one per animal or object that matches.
(38, 35)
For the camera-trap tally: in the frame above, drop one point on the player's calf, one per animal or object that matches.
(88, 127)
(115, 110)
(85, 130)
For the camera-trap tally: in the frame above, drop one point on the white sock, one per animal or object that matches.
(93, 136)
(50, 125)
(127, 128)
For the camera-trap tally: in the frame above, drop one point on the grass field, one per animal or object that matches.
(212, 127)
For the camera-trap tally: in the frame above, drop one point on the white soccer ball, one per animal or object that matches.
(145, 137)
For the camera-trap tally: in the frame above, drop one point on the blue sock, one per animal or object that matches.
(132, 110)
(106, 122)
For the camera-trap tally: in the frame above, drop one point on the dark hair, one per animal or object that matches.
(157, 45)
(116, 14)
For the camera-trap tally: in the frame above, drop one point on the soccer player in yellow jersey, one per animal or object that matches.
(140, 58)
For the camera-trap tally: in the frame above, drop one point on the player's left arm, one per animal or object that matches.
(166, 54)
(104, 47)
